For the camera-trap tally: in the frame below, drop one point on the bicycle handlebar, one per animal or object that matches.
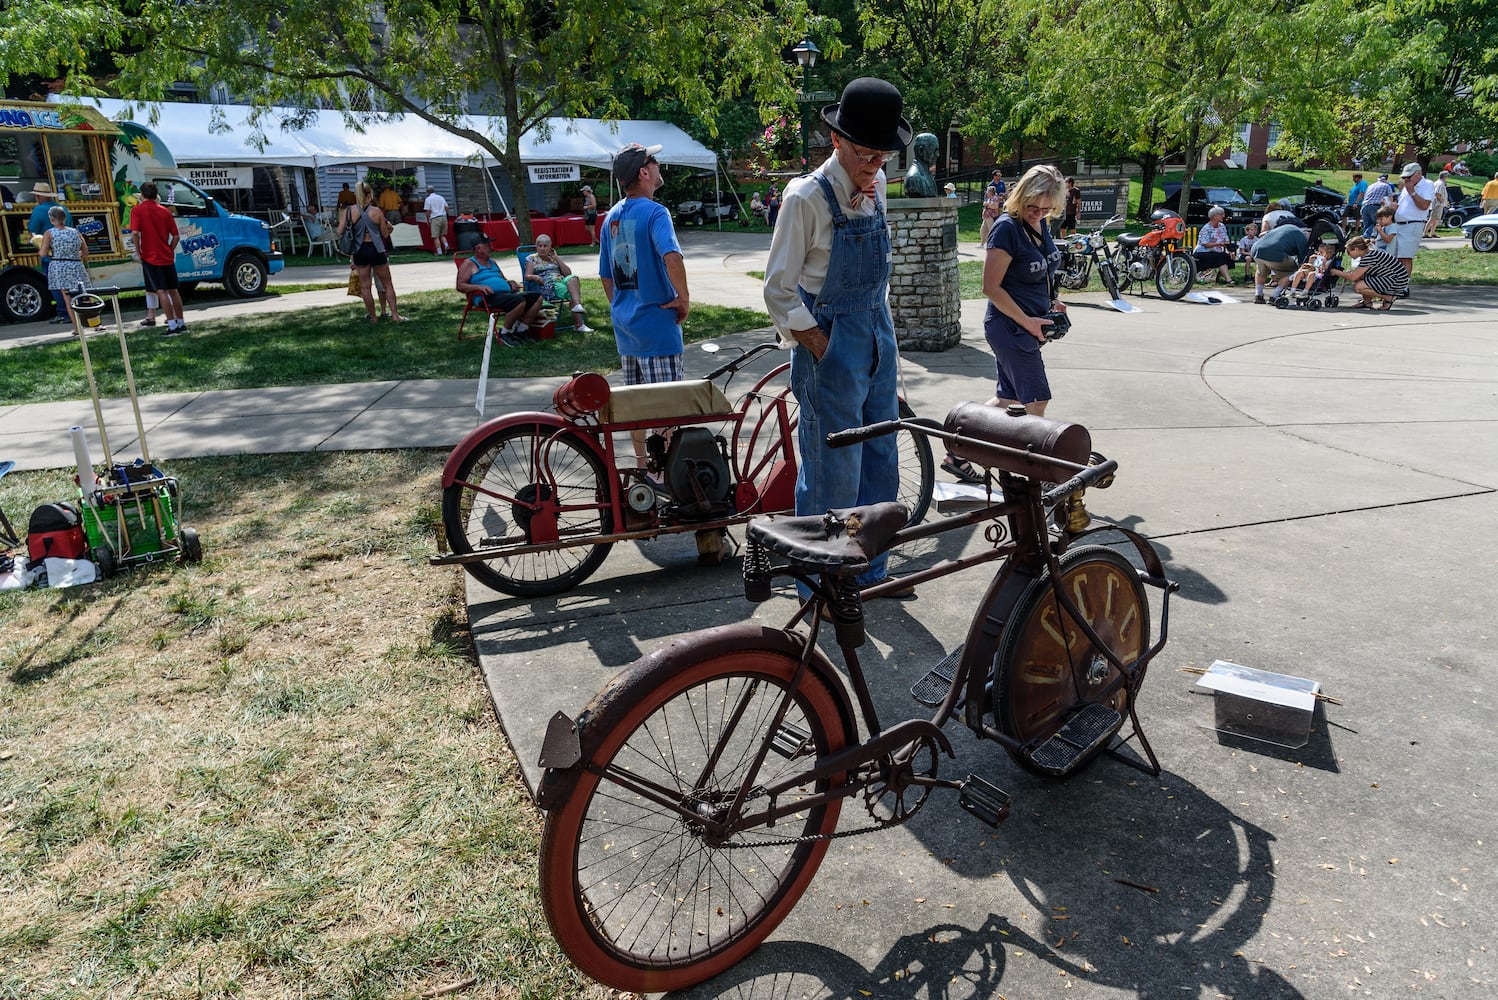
(1080, 481)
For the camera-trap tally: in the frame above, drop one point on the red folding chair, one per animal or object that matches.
(469, 303)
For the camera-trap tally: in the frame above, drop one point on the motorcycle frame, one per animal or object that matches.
(770, 468)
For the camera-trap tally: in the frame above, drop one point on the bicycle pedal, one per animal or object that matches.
(790, 740)
(931, 689)
(984, 799)
(1084, 732)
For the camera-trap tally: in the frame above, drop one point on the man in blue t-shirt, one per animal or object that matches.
(644, 276)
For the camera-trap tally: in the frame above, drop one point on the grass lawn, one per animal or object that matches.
(273, 774)
(329, 344)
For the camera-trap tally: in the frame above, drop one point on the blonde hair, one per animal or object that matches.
(364, 194)
(1041, 179)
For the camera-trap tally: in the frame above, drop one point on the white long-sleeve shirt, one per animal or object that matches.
(801, 247)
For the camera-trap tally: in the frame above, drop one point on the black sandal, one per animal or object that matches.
(962, 469)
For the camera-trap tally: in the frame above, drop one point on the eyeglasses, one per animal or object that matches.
(1049, 206)
(870, 158)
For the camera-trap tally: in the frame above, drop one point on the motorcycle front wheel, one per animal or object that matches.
(1109, 274)
(1175, 275)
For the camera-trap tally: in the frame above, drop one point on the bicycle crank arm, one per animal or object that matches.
(897, 737)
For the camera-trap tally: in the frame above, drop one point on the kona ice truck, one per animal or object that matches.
(96, 167)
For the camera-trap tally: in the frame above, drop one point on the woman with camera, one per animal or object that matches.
(1023, 311)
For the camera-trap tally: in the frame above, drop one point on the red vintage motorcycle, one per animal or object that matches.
(532, 502)
(1157, 254)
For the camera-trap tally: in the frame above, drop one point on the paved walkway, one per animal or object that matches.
(1324, 486)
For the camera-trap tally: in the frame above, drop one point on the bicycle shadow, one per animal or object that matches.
(1164, 903)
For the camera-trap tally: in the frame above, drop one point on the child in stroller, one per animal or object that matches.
(1314, 284)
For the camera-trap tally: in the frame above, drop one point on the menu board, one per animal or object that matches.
(95, 229)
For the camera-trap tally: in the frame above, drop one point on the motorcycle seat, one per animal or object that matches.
(1128, 239)
(692, 398)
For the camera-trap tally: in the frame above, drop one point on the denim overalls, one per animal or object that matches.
(854, 383)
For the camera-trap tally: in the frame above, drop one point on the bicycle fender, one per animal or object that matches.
(476, 438)
(625, 689)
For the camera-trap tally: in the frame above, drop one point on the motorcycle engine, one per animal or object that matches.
(1139, 266)
(697, 470)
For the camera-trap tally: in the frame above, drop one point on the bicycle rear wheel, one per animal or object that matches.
(525, 483)
(1045, 666)
(634, 891)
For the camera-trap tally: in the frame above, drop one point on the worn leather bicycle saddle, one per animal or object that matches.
(839, 542)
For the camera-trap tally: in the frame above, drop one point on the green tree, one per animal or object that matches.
(937, 52)
(1443, 86)
(449, 62)
(1176, 77)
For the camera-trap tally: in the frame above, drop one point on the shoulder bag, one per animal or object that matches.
(347, 240)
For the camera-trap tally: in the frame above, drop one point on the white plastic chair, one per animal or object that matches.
(322, 236)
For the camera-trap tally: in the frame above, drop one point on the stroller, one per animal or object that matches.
(1322, 290)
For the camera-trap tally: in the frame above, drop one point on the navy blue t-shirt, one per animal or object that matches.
(1028, 279)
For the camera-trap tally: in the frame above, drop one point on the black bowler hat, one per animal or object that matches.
(869, 115)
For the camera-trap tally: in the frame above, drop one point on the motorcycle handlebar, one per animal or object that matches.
(1080, 481)
(858, 435)
(742, 359)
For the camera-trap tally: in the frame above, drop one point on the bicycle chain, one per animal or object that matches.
(834, 835)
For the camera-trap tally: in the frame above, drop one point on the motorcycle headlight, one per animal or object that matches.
(1097, 240)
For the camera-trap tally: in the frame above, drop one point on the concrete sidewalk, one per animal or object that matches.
(1305, 476)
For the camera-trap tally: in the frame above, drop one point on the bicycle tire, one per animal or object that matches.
(487, 505)
(1038, 677)
(683, 921)
(917, 462)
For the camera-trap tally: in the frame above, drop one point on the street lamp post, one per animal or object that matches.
(806, 55)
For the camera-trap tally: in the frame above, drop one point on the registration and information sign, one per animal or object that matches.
(547, 173)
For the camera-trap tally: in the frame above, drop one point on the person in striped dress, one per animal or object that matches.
(1375, 275)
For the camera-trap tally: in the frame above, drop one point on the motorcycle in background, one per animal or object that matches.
(1156, 254)
(1081, 252)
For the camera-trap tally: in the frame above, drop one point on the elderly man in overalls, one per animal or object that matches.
(826, 286)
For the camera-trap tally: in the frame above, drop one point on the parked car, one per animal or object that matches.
(704, 204)
(1460, 206)
(1482, 231)
(1238, 209)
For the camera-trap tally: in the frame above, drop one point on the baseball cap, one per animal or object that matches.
(629, 160)
(1410, 169)
(482, 237)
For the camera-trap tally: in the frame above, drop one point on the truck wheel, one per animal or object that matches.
(23, 296)
(245, 276)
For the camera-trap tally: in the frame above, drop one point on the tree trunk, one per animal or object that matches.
(1193, 153)
(1149, 164)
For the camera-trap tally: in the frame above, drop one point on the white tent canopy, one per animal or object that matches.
(196, 136)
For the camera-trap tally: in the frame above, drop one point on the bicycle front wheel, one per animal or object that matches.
(636, 892)
(1046, 667)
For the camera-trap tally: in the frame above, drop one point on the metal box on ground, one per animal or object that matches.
(1260, 704)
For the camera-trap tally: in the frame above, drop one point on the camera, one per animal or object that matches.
(1060, 325)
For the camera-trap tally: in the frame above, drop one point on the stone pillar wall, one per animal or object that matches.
(923, 291)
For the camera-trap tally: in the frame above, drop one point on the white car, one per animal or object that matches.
(1482, 232)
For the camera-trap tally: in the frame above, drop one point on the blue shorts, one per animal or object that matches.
(642, 371)
(1021, 372)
